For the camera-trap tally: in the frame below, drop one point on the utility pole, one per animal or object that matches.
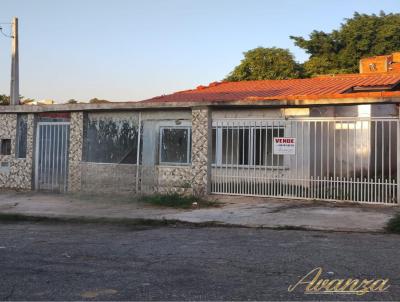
(14, 89)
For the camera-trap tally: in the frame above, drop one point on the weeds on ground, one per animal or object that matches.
(393, 225)
(176, 200)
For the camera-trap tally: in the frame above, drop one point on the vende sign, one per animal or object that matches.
(284, 145)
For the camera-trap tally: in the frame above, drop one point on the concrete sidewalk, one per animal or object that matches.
(235, 210)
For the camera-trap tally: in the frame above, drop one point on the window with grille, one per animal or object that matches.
(246, 146)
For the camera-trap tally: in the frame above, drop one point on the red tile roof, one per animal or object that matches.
(336, 86)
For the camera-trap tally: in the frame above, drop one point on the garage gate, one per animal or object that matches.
(339, 159)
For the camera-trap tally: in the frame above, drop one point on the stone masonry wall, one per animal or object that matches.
(16, 173)
(201, 131)
(75, 152)
(108, 178)
(174, 179)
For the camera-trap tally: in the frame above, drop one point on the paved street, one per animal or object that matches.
(60, 261)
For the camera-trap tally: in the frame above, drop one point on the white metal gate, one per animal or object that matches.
(349, 159)
(52, 144)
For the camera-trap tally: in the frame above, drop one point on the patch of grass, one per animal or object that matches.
(393, 225)
(175, 200)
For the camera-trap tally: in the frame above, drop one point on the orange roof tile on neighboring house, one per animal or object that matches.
(333, 86)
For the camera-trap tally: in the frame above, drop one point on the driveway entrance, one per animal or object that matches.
(339, 159)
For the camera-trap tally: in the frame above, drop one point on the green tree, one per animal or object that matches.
(360, 36)
(266, 64)
(72, 101)
(4, 99)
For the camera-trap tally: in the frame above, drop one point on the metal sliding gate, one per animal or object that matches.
(347, 159)
(52, 144)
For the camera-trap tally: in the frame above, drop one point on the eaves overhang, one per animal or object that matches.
(148, 106)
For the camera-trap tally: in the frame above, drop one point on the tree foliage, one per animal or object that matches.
(72, 101)
(360, 36)
(264, 64)
(338, 51)
(4, 99)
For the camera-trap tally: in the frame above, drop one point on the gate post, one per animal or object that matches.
(398, 158)
(30, 150)
(75, 152)
(201, 150)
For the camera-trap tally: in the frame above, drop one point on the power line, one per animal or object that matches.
(4, 34)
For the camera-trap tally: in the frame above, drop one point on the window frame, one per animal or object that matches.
(188, 147)
(1, 147)
(86, 142)
(17, 140)
(250, 148)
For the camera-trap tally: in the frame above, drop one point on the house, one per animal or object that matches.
(41, 102)
(333, 137)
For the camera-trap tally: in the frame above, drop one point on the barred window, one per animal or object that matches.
(246, 146)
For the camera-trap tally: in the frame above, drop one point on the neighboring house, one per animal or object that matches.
(41, 102)
(332, 137)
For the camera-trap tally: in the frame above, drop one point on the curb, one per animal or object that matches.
(17, 217)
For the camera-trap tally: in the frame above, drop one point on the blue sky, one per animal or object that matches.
(125, 50)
